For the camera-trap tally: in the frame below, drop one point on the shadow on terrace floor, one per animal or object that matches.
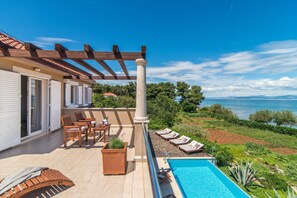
(51, 141)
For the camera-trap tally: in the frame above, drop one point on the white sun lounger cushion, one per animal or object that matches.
(196, 144)
(182, 140)
(171, 135)
(163, 132)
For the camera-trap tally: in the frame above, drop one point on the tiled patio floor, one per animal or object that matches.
(82, 165)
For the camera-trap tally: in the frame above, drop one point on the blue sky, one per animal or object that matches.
(229, 47)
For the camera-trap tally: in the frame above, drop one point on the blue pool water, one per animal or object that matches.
(200, 178)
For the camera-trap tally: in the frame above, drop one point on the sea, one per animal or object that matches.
(244, 107)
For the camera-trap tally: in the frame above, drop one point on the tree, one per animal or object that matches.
(190, 97)
(163, 88)
(263, 116)
(182, 88)
(126, 101)
(162, 111)
(284, 117)
(194, 95)
(131, 89)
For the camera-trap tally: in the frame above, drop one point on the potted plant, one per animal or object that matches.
(114, 157)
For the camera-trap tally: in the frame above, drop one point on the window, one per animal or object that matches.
(86, 95)
(72, 94)
(72, 97)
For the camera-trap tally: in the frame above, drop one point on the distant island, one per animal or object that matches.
(260, 97)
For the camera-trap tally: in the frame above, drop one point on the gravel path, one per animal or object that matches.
(163, 148)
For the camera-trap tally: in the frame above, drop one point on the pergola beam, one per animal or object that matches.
(57, 64)
(52, 65)
(56, 59)
(53, 54)
(31, 47)
(62, 50)
(119, 58)
(100, 78)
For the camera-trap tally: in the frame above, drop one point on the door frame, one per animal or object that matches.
(43, 106)
(45, 98)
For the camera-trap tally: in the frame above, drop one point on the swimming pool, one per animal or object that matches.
(200, 178)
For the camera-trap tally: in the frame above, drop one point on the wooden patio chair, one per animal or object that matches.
(48, 177)
(80, 118)
(91, 122)
(73, 130)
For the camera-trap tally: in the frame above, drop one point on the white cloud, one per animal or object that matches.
(55, 40)
(231, 74)
(44, 42)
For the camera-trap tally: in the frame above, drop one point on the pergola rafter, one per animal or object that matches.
(10, 47)
(89, 50)
(119, 58)
(61, 49)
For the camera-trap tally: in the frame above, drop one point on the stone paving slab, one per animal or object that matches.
(163, 148)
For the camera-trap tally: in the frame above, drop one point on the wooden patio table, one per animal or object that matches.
(90, 126)
(102, 128)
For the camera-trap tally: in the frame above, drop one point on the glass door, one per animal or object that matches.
(24, 106)
(36, 105)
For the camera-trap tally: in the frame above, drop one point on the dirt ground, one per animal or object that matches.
(224, 137)
(284, 151)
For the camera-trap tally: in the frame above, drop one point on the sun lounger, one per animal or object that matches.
(192, 147)
(180, 141)
(163, 132)
(171, 135)
(23, 182)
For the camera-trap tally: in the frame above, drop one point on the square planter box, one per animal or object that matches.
(114, 160)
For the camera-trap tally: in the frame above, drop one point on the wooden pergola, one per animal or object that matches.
(10, 47)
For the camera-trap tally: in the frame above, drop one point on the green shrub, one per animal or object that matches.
(223, 156)
(222, 111)
(290, 194)
(256, 149)
(156, 126)
(275, 181)
(196, 131)
(116, 143)
(291, 171)
(188, 107)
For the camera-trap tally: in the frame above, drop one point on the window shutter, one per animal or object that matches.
(67, 94)
(80, 95)
(90, 95)
(10, 109)
(55, 111)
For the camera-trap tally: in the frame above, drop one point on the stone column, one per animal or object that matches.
(141, 111)
(140, 114)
